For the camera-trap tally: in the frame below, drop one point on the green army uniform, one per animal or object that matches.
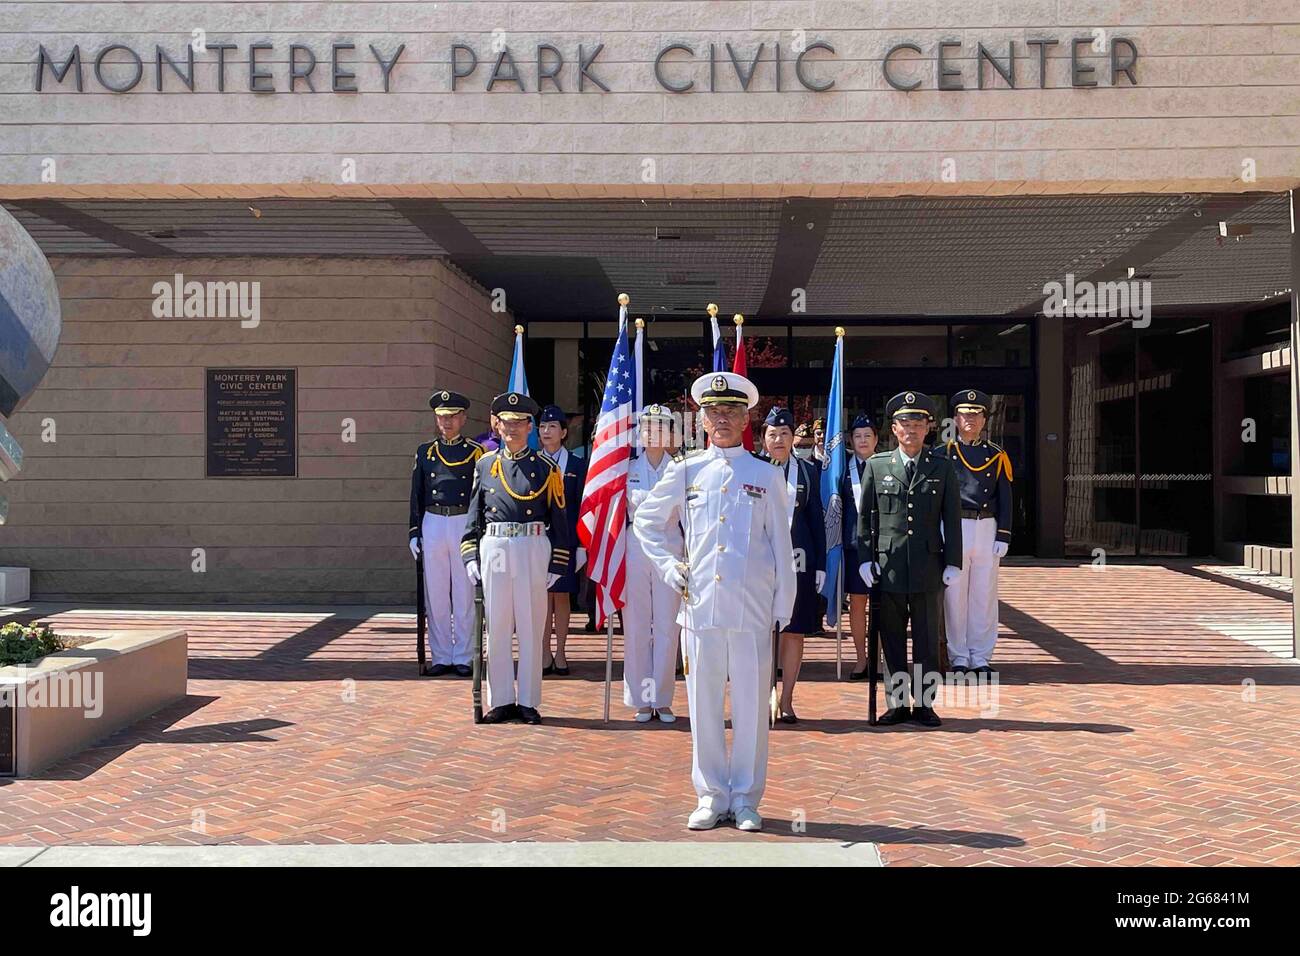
(910, 523)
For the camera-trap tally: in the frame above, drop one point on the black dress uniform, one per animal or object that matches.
(984, 479)
(441, 480)
(910, 513)
(807, 529)
(574, 471)
(850, 483)
(517, 535)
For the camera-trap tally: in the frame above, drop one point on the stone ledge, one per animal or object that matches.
(73, 698)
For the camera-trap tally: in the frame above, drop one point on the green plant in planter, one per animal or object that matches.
(24, 643)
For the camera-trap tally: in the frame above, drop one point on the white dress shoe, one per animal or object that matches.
(747, 819)
(645, 715)
(704, 818)
(666, 715)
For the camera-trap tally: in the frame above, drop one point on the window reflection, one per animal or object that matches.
(982, 345)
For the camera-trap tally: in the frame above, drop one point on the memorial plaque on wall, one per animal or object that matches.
(252, 423)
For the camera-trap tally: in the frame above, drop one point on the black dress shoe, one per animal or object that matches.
(926, 717)
(562, 671)
(529, 715)
(962, 669)
(549, 668)
(502, 714)
(895, 715)
(858, 675)
(463, 670)
(438, 670)
(788, 717)
(985, 669)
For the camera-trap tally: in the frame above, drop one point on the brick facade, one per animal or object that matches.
(112, 509)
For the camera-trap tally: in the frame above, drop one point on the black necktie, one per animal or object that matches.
(909, 472)
(862, 467)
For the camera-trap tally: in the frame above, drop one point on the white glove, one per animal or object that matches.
(582, 559)
(868, 576)
(1000, 549)
(821, 579)
(676, 578)
(471, 569)
(950, 576)
(415, 547)
(550, 580)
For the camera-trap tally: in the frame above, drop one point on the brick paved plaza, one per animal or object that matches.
(1135, 724)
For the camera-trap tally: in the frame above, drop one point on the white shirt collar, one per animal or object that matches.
(734, 452)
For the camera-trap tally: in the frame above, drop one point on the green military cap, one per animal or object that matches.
(910, 404)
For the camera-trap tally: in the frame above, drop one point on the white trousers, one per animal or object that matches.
(514, 600)
(650, 633)
(712, 657)
(971, 604)
(448, 595)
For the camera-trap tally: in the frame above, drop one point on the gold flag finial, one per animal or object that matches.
(640, 324)
(738, 319)
(712, 309)
(623, 298)
(839, 331)
(519, 330)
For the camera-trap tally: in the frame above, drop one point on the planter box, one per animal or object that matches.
(67, 701)
(15, 585)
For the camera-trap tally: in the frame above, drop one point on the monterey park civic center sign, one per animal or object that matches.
(676, 67)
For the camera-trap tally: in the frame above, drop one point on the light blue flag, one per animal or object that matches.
(832, 471)
(518, 381)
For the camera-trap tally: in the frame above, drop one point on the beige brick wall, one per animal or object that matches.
(1219, 83)
(112, 510)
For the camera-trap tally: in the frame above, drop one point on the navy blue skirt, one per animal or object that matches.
(568, 582)
(853, 583)
(804, 618)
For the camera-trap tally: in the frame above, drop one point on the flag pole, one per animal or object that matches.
(839, 570)
(609, 659)
(623, 300)
(839, 620)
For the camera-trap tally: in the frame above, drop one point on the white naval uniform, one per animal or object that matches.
(450, 634)
(733, 509)
(650, 629)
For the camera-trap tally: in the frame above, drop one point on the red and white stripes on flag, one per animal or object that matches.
(602, 516)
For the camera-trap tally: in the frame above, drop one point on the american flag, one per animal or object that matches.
(602, 517)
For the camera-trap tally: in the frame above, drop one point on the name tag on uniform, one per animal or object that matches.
(888, 478)
(754, 491)
(690, 488)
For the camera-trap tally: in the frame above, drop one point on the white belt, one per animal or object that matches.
(515, 529)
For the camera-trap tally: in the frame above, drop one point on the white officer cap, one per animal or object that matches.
(724, 388)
